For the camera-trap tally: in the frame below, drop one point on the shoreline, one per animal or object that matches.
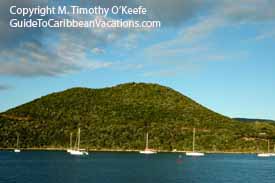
(127, 150)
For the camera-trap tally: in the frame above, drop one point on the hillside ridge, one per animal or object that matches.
(118, 117)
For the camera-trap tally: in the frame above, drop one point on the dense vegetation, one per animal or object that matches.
(118, 118)
(253, 120)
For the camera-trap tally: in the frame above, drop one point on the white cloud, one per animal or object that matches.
(193, 42)
(265, 35)
(31, 59)
(37, 54)
(5, 87)
(98, 50)
(201, 30)
(247, 11)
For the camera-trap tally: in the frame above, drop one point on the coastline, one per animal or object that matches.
(127, 150)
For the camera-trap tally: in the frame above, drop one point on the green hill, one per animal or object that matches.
(253, 120)
(118, 118)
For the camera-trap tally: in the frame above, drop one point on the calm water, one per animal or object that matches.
(41, 167)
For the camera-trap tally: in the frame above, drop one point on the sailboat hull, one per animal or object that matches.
(147, 152)
(194, 154)
(69, 150)
(263, 155)
(78, 153)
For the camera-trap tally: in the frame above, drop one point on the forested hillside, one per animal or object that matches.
(118, 118)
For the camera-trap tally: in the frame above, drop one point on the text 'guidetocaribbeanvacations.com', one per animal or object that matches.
(68, 16)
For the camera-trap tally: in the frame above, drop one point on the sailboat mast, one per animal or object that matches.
(147, 137)
(78, 139)
(268, 146)
(17, 143)
(71, 137)
(194, 135)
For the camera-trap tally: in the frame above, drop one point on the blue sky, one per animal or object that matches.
(219, 53)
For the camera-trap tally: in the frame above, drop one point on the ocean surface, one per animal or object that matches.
(100, 167)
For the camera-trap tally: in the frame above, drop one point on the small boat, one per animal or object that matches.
(174, 150)
(69, 150)
(194, 153)
(147, 150)
(264, 155)
(273, 154)
(17, 150)
(77, 151)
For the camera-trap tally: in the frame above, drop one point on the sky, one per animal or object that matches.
(220, 53)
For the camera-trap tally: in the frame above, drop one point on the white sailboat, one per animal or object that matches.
(194, 153)
(273, 154)
(263, 155)
(71, 147)
(17, 150)
(147, 150)
(77, 151)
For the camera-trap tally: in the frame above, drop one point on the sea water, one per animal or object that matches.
(100, 167)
